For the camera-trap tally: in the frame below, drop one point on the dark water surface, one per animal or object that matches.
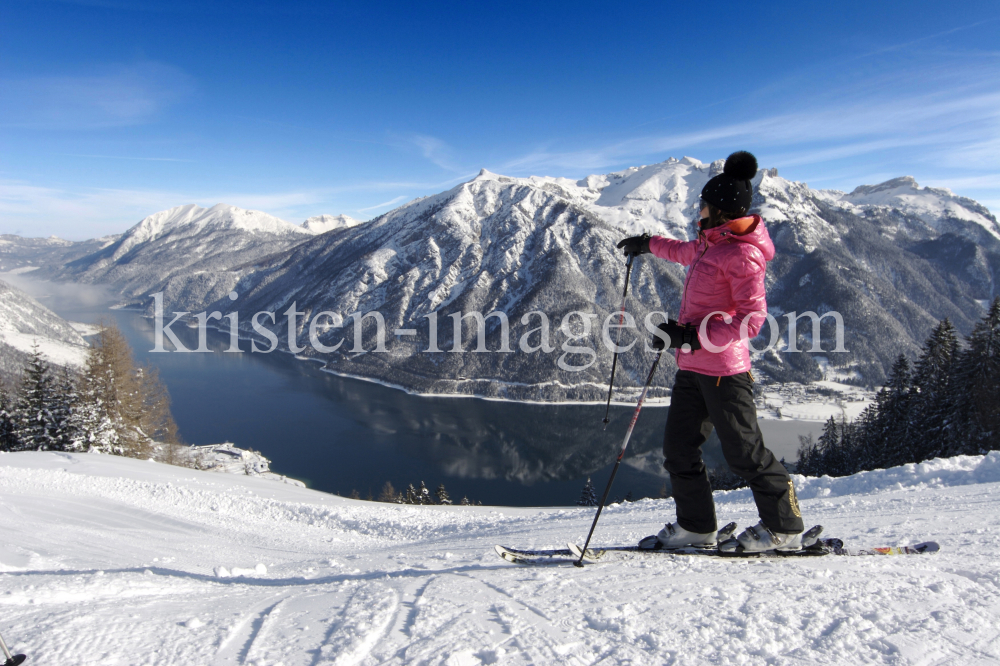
(339, 434)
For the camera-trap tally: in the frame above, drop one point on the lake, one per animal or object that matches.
(340, 434)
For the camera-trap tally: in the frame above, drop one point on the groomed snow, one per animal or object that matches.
(116, 561)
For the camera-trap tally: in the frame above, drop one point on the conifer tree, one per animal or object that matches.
(8, 436)
(424, 495)
(35, 421)
(123, 408)
(588, 497)
(831, 455)
(809, 462)
(932, 395)
(412, 496)
(442, 495)
(974, 423)
(65, 406)
(890, 430)
(866, 444)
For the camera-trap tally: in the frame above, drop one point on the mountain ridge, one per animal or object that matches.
(893, 258)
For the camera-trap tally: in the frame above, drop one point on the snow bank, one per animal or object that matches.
(936, 473)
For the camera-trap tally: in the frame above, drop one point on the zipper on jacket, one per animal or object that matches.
(690, 271)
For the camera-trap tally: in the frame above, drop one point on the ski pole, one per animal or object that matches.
(621, 320)
(12, 659)
(621, 454)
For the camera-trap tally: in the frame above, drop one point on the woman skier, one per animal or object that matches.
(722, 307)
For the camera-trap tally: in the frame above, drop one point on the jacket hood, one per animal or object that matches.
(750, 229)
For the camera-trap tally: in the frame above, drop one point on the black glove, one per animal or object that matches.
(679, 334)
(635, 245)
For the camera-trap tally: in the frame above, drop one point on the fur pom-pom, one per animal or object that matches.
(741, 165)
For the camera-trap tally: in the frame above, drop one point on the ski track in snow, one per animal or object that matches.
(115, 561)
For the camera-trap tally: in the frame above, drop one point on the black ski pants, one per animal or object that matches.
(699, 402)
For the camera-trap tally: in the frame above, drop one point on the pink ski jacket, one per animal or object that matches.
(723, 291)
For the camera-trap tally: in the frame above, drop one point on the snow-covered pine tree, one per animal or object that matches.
(588, 497)
(412, 496)
(974, 425)
(123, 408)
(8, 436)
(93, 423)
(442, 495)
(96, 421)
(932, 396)
(35, 422)
(64, 410)
(424, 494)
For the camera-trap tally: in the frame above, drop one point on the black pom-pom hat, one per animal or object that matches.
(731, 191)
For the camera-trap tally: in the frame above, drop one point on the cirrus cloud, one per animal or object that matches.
(114, 96)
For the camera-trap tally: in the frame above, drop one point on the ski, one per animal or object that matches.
(814, 546)
(820, 547)
(553, 556)
(562, 555)
(917, 549)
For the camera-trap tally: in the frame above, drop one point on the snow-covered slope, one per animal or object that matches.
(320, 224)
(111, 560)
(24, 323)
(190, 253)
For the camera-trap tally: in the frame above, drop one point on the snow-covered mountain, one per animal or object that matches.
(320, 224)
(524, 244)
(494, 243)
(194, 255)
(43, 257)
(24, 323)
(893, 259)
(938, 207)
(113, 560)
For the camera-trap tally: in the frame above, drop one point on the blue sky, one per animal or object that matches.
(112, 110)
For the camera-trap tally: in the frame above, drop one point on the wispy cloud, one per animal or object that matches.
(384, 204)
(111, 97)
(946, 119)
(436, 151)
(901, 46)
